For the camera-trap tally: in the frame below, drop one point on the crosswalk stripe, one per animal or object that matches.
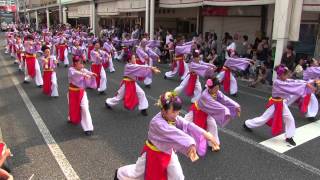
(303, 134)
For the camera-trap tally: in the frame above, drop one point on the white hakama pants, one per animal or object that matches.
(136, 171)
(86, 120)
(54, 85)
(21, 64)
(233, 82)
(111, 66)
(197, 89)
(287, 118)
(211, 125)
(103, 81)
(173, 72)
(66, 59)
(313, 105)
(38, 78)
(143, 102)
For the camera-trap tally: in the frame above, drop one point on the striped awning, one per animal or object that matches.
(311, 5)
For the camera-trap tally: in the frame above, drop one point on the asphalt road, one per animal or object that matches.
(119, 135)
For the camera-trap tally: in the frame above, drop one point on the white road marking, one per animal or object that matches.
(238, 136)
(253, 95)
(1, 139)
(30, 178)
(302, 135)
(56, 151)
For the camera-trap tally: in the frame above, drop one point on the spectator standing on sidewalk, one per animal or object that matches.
(288, 58)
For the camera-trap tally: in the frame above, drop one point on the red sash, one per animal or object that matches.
(130, 95)
(31, 63)
(14, 48)
(181, 65)
(96, 68)
(305, 102)
(75, 97)
(47, 74)
(199, 117)
(156, 163)
(90, 48)
(276, 121)
(105, 65)
(3, 148)
(61, 49)
(226, 79)
(189, 90)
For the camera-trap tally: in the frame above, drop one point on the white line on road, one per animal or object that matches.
(56, 151)
(1, 139)
(302, 135)
(235, 135)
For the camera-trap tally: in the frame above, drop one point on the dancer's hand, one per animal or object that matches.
(156, 70)
(8, 152)
(192, 153)
(213, 141)
(311, 87)
(238, 111)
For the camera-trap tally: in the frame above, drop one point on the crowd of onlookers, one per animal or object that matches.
(214, 49)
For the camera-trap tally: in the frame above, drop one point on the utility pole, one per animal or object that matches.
(25, 12)
(60, 12)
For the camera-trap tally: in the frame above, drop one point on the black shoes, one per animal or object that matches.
(234, 95)
(144, 112)
(26, 82)
(40, 86)
(290, 141)
(102, 92)
(312, 119)
(164, 77)
(148, 86)
(116, 175)
(246, 127)
(88, 133)
(65, 66)
(107, 106)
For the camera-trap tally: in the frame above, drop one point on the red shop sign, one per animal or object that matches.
(8, 8)
(215, 11)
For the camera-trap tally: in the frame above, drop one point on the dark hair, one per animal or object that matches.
(245, 37)
(44, 47)
(290, 47)
(215, 82)
(175, 102)
(215, 37)
(96, 41)
(29, 37)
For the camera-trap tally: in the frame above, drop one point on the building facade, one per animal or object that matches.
(246, 17)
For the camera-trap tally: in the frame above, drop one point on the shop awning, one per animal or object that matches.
(108, 9)
(311, 5)
(196, 3)
(131, 6)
